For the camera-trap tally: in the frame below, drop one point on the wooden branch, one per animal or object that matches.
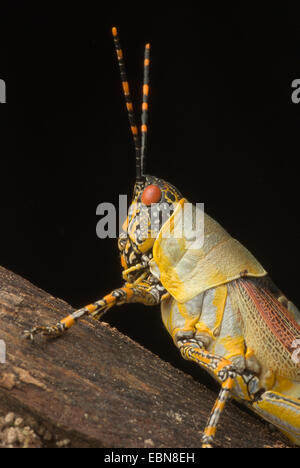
(97, 388)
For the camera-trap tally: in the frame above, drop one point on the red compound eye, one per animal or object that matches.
(151, 194)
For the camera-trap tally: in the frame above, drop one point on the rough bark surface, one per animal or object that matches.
(95, 387)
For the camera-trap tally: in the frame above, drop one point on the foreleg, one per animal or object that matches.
(141, 292)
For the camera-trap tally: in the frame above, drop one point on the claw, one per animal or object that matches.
(207, 442)
(28, 335)
(55, 330)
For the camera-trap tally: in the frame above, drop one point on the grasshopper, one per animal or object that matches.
(218, 303)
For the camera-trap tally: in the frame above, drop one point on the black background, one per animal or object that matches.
(223, 129)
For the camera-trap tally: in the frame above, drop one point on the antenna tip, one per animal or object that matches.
(114, 31)
(148, 46)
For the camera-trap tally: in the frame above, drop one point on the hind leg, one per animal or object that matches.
(282, 411)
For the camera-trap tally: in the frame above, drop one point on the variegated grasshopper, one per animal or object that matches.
(217, 302)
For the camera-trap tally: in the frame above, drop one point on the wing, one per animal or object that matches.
(269, 327)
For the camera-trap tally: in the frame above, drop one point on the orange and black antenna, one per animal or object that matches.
(129, 105)
(144, 127)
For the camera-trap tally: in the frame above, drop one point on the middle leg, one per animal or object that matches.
(224, 371)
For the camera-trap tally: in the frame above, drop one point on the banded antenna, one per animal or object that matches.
(144, 127)
(129, 105)
(140, 152)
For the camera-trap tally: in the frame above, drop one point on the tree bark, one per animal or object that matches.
(98, 388)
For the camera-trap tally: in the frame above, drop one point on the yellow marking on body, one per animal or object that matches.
(119, 54)
(268, 379)
(171, 225)
(190, 322)
(249, 353)
(146, 245)
(234, 345)
(114, 31)
(283, 385)
(165, 264)
(129, 106)
(219, 302)
(201, 327)
(68, 321)
(144, 128)
(146, 62)
(169, 322)
(145, 106)
(216, 277)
